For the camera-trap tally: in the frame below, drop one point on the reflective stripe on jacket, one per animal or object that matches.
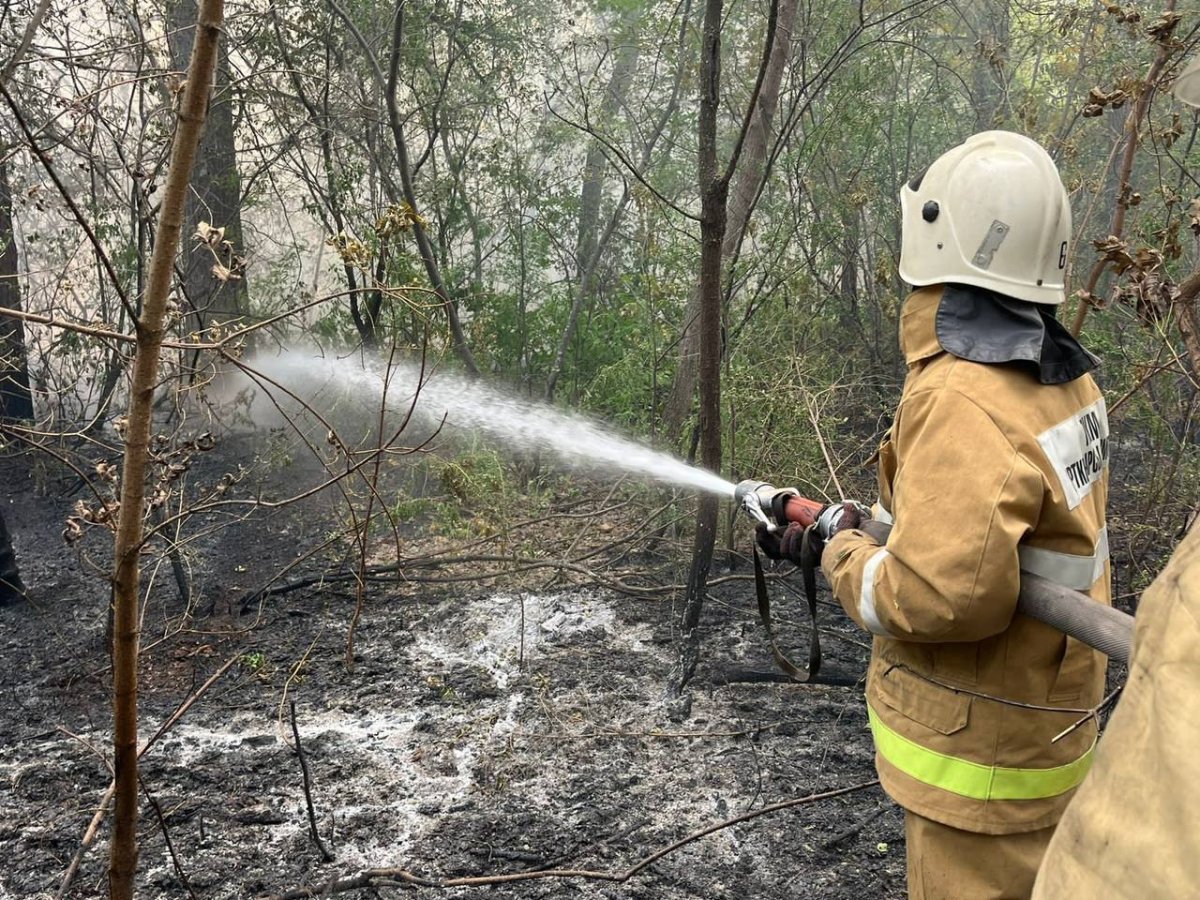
(986, 471)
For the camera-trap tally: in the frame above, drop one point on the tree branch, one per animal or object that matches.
(386, 876)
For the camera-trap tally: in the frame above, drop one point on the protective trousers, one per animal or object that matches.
(947, 863)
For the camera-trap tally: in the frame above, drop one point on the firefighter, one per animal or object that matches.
(11, 587)
(1132, 829)
(996, 463)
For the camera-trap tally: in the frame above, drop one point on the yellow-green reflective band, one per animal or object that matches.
(968, 779)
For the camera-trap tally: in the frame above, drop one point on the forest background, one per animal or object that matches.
(677, 218)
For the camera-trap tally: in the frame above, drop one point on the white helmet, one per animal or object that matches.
(992, 213)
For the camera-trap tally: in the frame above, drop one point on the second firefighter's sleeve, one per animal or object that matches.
(962, 499)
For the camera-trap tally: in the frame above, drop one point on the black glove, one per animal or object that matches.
(781, 544)
(779, 502)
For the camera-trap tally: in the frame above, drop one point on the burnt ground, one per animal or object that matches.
(483, 729)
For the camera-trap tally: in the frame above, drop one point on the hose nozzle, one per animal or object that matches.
(774, 508)
(750, 486)
(755, 498)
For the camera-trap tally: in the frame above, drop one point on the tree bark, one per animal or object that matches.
(128, 541)
(714, 205)
(16, 400)
(752, 171)
(588, 244)
(216, 188)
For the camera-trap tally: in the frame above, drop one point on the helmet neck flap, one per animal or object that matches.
(985, 327)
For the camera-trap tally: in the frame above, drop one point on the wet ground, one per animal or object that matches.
(481, 730)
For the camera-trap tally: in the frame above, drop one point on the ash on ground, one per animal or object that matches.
(476, 733)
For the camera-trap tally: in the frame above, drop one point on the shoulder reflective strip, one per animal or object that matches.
(866, 599)
(1076, 572)
(968, 779)
(882, 515)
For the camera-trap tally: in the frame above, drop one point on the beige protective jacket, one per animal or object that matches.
(986, 471)
(1133, 829)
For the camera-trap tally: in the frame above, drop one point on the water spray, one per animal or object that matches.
(456, 406)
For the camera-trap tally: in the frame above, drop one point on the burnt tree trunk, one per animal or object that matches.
(215, 192)
(714, 192)
(714, 198)
(16, 400)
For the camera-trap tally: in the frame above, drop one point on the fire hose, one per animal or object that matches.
(1073, 613)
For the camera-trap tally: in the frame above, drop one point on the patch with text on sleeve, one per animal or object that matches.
(1077, 448)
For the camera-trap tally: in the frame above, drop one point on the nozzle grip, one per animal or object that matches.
(802, 510)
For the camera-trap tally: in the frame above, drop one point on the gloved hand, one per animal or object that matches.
(781, 544)
(834, 518)
(837, 516)
(778, 504)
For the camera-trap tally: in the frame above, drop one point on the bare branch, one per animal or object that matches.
(31, 28)
(381, 877)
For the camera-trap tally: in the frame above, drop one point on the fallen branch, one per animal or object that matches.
(517, 565)
(854, 829)
(604, 841)
(312, 815)
(162, 824)
(373, 878)
(389, 572)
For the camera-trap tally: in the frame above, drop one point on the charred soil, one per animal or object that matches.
(477, 731)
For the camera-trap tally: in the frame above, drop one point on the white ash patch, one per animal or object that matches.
(188, 741)
(498, 633)
(368, 767)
